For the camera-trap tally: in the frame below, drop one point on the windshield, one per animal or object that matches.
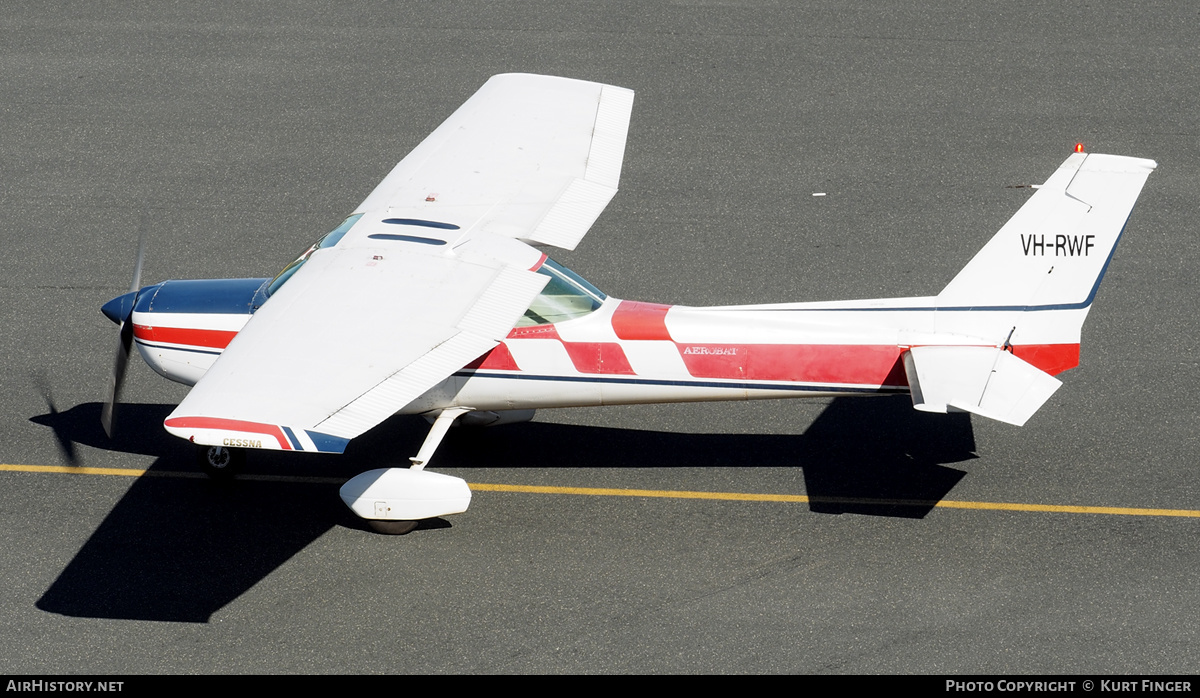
(566, 297)
(329, 240)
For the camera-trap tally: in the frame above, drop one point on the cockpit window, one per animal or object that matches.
(566, 297)
(329, 240)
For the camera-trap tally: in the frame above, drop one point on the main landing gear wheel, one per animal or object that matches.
(220, 462)
(392, 528)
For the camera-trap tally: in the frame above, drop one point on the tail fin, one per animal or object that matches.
(1031, 287)
(1028, 291)
(1053, 252)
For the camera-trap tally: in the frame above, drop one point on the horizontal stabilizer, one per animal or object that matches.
(987, 381)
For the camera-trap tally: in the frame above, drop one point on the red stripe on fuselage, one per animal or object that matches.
(599, 357)
(588, 357)
(215, 339)
(641, 321)
(500, 359)
(797, 363)
(864, 365)
(1051, 358)
(231, 425)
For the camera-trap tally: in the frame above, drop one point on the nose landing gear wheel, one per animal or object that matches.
(220, 462)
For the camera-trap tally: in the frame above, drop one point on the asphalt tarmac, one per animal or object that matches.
(234, 134)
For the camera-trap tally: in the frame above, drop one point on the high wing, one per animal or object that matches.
(434, 273)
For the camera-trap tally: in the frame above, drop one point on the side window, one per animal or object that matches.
(566, 297)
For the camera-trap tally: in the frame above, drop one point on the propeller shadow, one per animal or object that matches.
(178, 547)
(66, 446)
(80, 425)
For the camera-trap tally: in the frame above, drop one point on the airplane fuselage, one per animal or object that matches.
(629, 352)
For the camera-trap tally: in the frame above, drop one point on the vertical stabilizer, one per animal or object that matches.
(1053, 252)
(1026, 294)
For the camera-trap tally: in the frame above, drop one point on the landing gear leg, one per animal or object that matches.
(440, 426)
(395, 500)
(221, 462)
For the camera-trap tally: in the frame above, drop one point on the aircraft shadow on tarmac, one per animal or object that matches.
(180, 548)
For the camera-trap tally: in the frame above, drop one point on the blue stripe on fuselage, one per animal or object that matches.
(177, 347)
(739, 385)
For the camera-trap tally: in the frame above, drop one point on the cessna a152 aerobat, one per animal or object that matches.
(431, 299)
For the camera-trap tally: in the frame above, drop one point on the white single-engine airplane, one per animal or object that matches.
(430, 299)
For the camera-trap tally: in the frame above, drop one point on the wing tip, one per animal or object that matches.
(236, 433)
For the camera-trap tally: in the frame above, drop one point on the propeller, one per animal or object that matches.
(120, 311)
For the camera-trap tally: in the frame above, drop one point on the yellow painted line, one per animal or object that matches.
(128, 472)
(804, 499)
(610, 492)
(667, 494)
(1069, 509)
(134, 472)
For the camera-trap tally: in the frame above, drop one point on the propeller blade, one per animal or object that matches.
(125, 343)
(117, 379)
(134, 285)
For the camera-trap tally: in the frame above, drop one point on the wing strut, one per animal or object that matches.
(394, 500)
(440, 426)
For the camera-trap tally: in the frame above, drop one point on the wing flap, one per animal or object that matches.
(481, 329)
(987, 381)
(572, 215)
(402, 387)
